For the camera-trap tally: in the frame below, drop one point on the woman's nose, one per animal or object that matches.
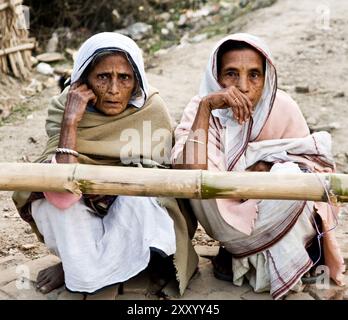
(243, 84)
(113, 87)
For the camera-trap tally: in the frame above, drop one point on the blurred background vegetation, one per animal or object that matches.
(75, 20)
(154, 24)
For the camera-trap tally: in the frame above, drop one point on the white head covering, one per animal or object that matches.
(111, 41)
(237, 136)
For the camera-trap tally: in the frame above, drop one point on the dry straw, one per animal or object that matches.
(15, 46)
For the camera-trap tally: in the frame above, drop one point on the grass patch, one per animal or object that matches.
(18, 112)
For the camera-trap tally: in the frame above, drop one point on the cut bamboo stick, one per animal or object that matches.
(195, 184)
(14, 40)
(14, 65)
(20, 63)
(21, 47)
(6, 5)
(26, 56)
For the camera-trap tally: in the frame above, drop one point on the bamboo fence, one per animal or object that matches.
(15, 46)
(194, 184)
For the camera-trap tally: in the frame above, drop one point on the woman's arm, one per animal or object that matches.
(78, 98)
(195, 148)
(194, 154)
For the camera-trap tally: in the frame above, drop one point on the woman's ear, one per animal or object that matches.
(136, 91)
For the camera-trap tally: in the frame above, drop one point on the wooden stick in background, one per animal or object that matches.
(6, 5)
(14, 46)
(21, 47)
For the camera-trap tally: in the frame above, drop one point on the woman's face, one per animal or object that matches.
(112, 81)
(244, 70)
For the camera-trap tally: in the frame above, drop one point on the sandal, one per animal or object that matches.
(224, 260)
(311, 277)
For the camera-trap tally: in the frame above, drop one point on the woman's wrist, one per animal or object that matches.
(68, 137)
(70, 121)
(205, 106)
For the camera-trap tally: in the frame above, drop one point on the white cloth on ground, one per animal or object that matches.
(97, 252)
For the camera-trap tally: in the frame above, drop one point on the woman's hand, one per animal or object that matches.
(78, 98)
(233, 98)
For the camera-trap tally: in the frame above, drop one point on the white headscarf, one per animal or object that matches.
(111, 41)
(237, 136)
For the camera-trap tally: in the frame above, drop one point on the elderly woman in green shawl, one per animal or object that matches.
(103, 240)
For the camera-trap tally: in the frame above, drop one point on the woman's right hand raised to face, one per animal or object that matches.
(78, 98)
(231, 97)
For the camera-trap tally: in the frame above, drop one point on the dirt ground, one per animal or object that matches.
(309, 43)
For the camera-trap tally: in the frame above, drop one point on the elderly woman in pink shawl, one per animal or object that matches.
(240, 121)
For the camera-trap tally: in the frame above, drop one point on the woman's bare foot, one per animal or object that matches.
(50, 278)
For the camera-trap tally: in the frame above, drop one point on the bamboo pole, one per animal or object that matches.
(196, 184)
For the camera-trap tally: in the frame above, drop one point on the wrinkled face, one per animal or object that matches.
(112, 80)
(244, 70)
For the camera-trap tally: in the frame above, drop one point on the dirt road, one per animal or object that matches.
(309, 43)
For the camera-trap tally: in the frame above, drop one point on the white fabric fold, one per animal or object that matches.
(99, 252)
(286, 150)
